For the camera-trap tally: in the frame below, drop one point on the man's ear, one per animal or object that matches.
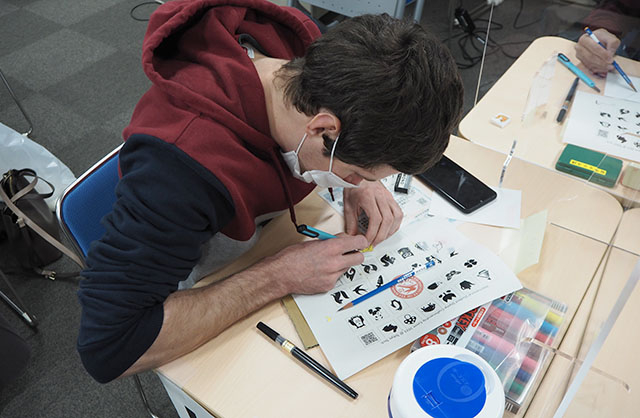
(324, 123)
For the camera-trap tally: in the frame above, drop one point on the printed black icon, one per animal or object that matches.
(369, 267)
(405, 252)
(447, 296)
(376, 313)
(390, 328)
(357, 321)
(453, 253)
(339, 296)
(452, 273)
(380, 281)
(430, 307)
(637, 144)
(414, 265)
(433, 258)
(621, 118)
(350, 274)
(484, 274)
(409, 319)
(470, 263)
(605, 114)
(622, 128)
(621, 138)
(395, 304)
(359, 290)
(465, 285)
(387, 260)
(605, 124)
(623, 111)
(434, 285)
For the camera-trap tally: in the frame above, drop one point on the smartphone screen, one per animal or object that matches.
(457, 185)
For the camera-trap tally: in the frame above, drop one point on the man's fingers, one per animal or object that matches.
(350, 219)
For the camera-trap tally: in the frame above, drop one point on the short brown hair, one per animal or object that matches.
(394, 87)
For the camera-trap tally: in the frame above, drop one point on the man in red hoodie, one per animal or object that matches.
(249, 110)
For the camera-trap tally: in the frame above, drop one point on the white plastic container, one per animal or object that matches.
(442, 381)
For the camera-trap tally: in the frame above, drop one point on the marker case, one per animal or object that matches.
(594, 166)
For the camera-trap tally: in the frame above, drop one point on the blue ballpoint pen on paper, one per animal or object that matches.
(393, 282)
(615, 64)
(567, 63)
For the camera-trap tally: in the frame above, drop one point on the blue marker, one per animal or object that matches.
(314, 232)
(567, 63)
(615, 64)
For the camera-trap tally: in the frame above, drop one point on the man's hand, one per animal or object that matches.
(385, 215)
(315, 266)
(596, 58)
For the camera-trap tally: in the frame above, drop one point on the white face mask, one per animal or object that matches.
(319, 177)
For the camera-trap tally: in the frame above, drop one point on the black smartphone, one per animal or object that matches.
(457, 185)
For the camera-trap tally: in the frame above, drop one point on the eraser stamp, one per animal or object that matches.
(501, 120)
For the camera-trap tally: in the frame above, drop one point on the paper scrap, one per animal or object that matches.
(503, 211)
(520, 249)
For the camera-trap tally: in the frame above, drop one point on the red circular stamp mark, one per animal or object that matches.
(408, 288)
(429, 339)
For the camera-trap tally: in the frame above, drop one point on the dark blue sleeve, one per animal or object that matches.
(167, 206)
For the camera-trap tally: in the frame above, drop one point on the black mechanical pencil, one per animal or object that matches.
(304, 358)
(567, 101)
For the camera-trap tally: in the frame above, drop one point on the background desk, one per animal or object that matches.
(243, 374)
(540, 136)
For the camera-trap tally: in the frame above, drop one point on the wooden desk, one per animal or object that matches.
(540, 136)
(242, 374)
(599, 396)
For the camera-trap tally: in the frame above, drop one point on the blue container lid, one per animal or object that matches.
(445, 387)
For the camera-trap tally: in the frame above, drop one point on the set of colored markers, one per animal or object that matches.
(503, 332)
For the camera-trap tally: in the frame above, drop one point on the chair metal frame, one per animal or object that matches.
(15, 99)
(78, 247)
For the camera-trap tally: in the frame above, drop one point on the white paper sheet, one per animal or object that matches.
(617, 87)
(605, 124)
(466, 275)
(414, 204)
(503, 211)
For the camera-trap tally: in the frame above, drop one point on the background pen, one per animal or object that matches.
(615, 64)
(305, 359)
(567, 63)
(567, 101)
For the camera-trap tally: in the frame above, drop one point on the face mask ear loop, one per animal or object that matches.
(300, 144)
(333, 150)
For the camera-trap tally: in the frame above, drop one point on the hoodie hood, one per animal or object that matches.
(207, 99)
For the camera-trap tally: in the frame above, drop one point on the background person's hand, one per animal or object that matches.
(596, 58)
(314, 266)
(384, 213)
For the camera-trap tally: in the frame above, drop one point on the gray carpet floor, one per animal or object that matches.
(76, 67)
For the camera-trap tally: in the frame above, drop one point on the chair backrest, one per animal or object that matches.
(87, 200)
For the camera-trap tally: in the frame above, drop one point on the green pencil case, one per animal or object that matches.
(591, 165)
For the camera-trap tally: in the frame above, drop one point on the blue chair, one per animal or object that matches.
(81, 207)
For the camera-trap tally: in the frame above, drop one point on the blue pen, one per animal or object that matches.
(615, 64)
(567, 63)
(393, 282)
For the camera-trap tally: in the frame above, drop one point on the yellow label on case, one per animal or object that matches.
(588, 167)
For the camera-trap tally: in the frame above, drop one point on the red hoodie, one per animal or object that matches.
(207, 98)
